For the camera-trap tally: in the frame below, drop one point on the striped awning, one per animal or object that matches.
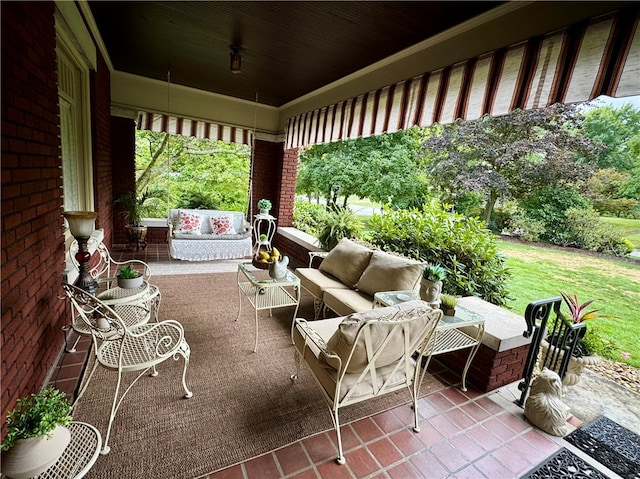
(187, 127)
(596, 57)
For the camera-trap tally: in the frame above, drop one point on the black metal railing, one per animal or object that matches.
(552, 343)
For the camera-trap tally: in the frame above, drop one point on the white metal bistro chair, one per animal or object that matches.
(104, 269)
(366, 355)
(125, 349)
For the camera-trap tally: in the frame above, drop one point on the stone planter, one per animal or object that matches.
(576, 364)
(29, 457)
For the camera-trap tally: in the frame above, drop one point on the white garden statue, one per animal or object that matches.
(278, 269)
(544, 407)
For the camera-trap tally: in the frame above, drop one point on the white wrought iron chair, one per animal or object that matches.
(125, 349)
(104, 269)
(366, 355)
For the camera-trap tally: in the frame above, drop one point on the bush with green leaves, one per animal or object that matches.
(308, 217)
(585, 230)
(462, 245)
(338, 224)
(526, 228)
(548, 206)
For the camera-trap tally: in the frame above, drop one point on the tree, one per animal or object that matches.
(619, 130)
(510, 155)
(382, 168)
(605, 191)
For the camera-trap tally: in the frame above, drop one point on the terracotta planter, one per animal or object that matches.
(29, 457)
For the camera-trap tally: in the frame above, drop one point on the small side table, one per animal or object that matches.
(79, 456)
(449, 335)
(262, 223)
(267, 294)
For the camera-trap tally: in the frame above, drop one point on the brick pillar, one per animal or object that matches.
(288, 186)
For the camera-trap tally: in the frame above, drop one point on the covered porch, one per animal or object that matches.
(463, 434)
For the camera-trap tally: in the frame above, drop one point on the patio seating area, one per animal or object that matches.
(463, 434)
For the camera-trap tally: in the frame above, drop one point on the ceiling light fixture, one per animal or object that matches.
(235, 63)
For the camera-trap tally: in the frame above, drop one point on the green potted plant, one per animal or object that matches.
(36, 433)
(133, 209)
(129, 277)
(431, 283)
(264, 205)
(448, 303)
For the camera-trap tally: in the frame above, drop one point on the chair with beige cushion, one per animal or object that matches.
(366, 355)
(351, 274)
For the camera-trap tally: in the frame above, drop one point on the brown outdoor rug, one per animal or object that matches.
(243, 403)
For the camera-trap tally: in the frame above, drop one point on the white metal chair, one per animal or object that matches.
(124, 349)
(104, 269)
(366, 355)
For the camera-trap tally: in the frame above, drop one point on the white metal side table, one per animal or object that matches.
(262, 223)
(449, 335)
(267, 293)
(79, 456)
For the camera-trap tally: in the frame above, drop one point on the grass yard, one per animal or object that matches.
(627, 227)
(539, 273)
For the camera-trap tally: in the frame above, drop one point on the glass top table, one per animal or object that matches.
(464, 330)
(266, 293)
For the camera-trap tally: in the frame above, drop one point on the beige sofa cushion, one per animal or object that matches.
(346, 301)
(316, 282)
(346, 262)
(342, 341)
(387, 272)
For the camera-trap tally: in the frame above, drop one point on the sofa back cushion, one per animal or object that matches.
(387, 272)
(346, 261)
(342, 341)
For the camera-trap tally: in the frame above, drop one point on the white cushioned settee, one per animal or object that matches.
(351, 274)
(204, 235)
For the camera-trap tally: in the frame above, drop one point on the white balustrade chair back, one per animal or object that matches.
(366, 355)
(125, 349)
(104, 268)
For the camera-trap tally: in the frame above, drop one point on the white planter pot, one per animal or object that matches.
(576, 364)
(29, 457)
(130, 283)
(430, 291)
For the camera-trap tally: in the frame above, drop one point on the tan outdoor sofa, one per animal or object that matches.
(351, 274)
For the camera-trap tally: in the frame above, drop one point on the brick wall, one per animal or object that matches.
(490, 369)
(101, 143)
(288, 186)
(32, 233)
(267, 165)
(298, 254)
(123, 148)
(32, 227)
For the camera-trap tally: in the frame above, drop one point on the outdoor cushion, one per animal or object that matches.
(316, 282)
(346, 301)
(222, 225)
(188, 223)
(387, 272)
(342, 341)
(346, 261)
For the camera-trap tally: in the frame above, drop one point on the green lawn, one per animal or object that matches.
(627, 227)
(540, 273)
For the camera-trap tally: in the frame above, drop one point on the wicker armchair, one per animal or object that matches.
(125, 349)
(366, 355)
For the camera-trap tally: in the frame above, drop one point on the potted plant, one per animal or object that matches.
(134, 208)
(448, 303)
(129, 277)
(264, 205)
(36, 433)
(582, 357)
(431, 283)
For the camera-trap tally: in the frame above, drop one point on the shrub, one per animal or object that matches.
(548, 206)
(308, 217)
(463, 246)
(585, 229)
(526, 228)
(338, 224)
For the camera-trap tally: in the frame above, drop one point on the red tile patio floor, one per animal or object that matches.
(463, 434)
